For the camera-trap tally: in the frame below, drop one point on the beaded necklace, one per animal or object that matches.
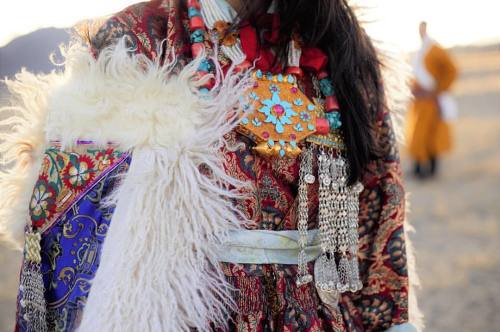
(336, 270)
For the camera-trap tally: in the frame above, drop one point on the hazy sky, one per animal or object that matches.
(451, 22)
(395, 21)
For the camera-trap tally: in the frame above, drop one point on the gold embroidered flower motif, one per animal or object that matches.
(104, 159)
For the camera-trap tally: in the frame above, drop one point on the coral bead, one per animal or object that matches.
(197, 49)
(196, 22)
(297, 71)
(322, 75)
(322, 126)
(331, 104)
(194, 4)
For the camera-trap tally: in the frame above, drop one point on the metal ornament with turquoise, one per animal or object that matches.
(278, 115)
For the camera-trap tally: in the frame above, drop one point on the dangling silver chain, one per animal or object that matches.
(325, 200)
(325, 268)
(355, 191)
(306, 177)
(337, 222)
(32, 304)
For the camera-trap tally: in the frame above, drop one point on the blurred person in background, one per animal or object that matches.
(429, 131)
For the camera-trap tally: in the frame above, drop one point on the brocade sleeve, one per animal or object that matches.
(383, 302)
(147, 27)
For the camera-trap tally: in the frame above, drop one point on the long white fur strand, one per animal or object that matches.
(21, 151)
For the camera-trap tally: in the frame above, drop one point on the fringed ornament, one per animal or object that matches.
(306, 178)
(337, 270)
(215, 15)
(33, 308)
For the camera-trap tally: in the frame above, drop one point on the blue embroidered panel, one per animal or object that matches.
(70, 254)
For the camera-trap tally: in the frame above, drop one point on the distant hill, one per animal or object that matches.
(492, 47)
(32, 51)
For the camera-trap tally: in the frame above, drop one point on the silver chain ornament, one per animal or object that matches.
(336, 270)
(306, 178)
(32, 303)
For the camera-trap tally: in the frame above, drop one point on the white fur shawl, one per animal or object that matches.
(158, 269)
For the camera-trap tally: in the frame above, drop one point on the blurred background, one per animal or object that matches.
(456, 214)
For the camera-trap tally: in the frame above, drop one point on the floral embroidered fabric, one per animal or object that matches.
(64, 177)
(72, 241)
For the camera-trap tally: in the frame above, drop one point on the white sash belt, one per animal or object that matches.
(268, 247)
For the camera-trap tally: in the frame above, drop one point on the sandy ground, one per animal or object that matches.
(456, 216)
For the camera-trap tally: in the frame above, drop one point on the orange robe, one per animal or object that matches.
(428, 135)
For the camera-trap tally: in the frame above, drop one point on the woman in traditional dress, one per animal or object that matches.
(210, 165)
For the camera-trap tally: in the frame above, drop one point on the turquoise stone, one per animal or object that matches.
(282, 142)
(274, 88)
(310, 107)
(280, 78)
(244, 121)
(311, 127)
(326, 87)
(256, 122)
(304, 116)
(290, 79)
(247, 108)
(298, 128)
(198, 36)
(278, 112)
(270, 143)
(258, 73)
(205, 66)
(192, 12)
(282, 153)
(334, 120)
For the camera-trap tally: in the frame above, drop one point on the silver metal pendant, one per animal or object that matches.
(325, 280)
(310, 179)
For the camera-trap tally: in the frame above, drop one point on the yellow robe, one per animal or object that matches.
(427, 134)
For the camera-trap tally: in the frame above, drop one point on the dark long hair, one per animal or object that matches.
(354, 66)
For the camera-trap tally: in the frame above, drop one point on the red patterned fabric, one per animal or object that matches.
(268, 298)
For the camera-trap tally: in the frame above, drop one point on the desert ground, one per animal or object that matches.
(456, 216)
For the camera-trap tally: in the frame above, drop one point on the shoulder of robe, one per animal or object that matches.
(145, 26)
(436, 55)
